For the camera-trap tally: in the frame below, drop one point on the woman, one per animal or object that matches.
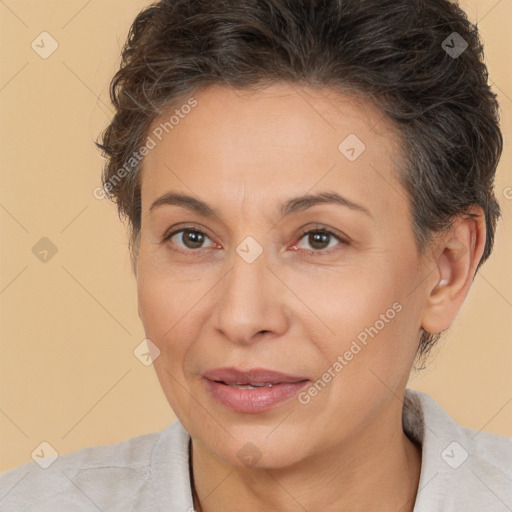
(309, 187)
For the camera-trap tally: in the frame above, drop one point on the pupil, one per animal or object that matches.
(195, 238)
(318, 238)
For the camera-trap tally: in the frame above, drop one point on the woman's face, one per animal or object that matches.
(329, 293)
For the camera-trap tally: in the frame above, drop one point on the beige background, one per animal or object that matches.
(69, 326)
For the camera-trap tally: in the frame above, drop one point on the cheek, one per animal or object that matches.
(173, 311)
(160, 311)
(156, 305)
(164, 297)
(346, 300)
(167, 313)
(366, 363)
(371, 321)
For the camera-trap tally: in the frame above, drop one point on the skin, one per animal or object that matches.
(300, 304)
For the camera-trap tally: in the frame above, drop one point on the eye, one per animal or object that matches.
(320, 240)
(189, 239)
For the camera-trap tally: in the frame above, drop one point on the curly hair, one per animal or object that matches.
(395, 53)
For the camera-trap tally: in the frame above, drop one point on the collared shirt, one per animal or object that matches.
(462, 470)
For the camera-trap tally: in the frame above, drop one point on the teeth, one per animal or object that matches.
(253, 385)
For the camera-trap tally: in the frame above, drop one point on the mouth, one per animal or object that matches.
(252, 385)
(252, 391)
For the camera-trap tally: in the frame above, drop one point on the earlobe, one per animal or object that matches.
(459, 251)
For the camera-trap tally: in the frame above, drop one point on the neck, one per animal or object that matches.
(377, 470)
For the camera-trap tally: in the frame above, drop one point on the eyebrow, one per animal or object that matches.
(293, 205)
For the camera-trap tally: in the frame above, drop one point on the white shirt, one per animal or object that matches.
(462, 470)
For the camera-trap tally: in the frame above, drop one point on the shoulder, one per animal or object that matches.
(483, 448)
(461, 466)
(108, 477)
(494, 449)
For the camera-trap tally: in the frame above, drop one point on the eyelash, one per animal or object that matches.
(321, 252)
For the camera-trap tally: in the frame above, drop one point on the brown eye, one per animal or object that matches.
(192, 239)
(188, 238)
(319, 239)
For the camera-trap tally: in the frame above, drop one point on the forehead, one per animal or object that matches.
(273, 142)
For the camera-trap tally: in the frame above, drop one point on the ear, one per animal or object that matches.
(457, 255)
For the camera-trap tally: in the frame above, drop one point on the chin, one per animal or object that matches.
(256, 448)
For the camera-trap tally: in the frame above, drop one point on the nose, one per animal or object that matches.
(252, 302)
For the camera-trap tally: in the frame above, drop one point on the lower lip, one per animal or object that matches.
(253, 400)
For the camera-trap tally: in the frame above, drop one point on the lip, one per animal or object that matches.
(255, 400)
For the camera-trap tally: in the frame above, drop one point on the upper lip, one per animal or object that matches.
(256, 375)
